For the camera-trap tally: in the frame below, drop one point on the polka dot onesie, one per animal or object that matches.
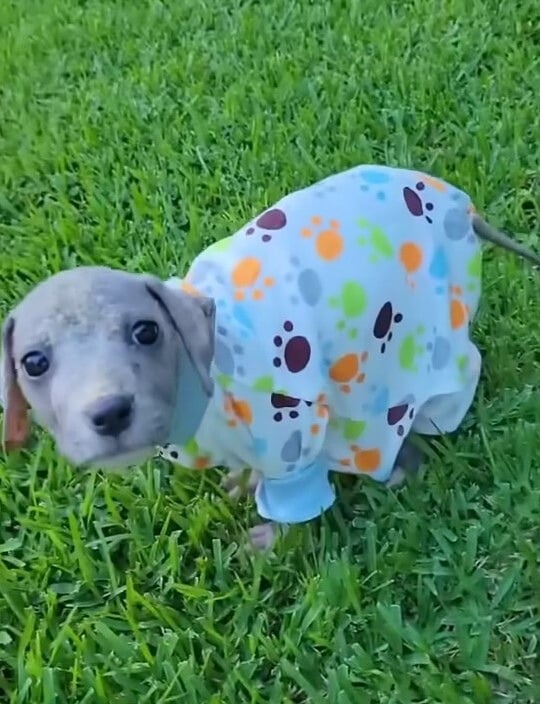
(343, 318)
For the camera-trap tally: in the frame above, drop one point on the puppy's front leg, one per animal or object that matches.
(240, 482)
(264, 536)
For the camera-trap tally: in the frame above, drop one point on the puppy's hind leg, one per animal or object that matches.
(408, 461)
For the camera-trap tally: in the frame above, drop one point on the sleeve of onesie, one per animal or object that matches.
(289, 437)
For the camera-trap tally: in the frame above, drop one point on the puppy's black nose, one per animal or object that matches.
(111, 415)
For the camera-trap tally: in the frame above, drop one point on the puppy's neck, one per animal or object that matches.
(191, 403)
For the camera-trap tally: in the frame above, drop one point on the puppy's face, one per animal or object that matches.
(98, 354)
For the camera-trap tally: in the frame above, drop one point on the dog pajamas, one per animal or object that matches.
(342, 324)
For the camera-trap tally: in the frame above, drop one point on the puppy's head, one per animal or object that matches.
(98, 356)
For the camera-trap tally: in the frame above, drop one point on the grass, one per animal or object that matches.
(135, 133)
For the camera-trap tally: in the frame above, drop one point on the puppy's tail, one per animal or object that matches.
(490, 234)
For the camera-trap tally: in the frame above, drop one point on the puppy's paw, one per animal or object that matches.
(408, 462)
(397, 478)
(263, 537)
(240, 483)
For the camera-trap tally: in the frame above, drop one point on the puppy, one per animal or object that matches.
(315, 339)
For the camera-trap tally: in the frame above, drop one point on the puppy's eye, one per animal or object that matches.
(145, 332)
(35, 364)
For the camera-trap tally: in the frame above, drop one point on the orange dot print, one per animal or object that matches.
(322, 410)
(246, 272)
(459, 313)
(347, 369)
(367, 460)
(411, 256)
(434, 183)
(329, 242)
(202, 462)
(188, 288)
(344, 369)
(329, 245)
(245, 275)
(242, 410)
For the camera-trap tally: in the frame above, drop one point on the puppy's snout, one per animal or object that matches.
(111, 415)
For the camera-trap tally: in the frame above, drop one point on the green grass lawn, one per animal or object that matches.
(132, 134)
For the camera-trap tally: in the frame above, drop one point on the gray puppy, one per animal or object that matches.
(93, 342)
(116, 365)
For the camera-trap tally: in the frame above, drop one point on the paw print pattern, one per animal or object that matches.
(347, 370)
(237, 411)
(376, 239)
(459, 311)
(291, 451)
(411, 349)
(307, 282)
(462, 363)
(366, 461)
(382, 328)
(378, 401)
(188, 288)
(295, 351)
(374, 179)
(457, 224)
(411, 257)
(272, 220)
(287, 405)
(434, 183)
(227, 357)
(474, 271)
(329, 242)
(190, 455)
(352, 302)
(440, 351)
(245, 276)
(399, 412)
(282, 403)
(221, 245)
(325, 188)
(439, 269)
(415, 205)
(202, 278)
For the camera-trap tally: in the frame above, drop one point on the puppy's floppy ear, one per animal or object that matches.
(193, 318)
(16, 419)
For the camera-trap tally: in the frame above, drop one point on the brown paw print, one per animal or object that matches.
(397, 413)
(415, 205)
(286, 404)
(382, 328)
(329, 243)
(273, 220)
(295, 352)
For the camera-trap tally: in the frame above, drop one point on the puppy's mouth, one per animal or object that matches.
(120, 458)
